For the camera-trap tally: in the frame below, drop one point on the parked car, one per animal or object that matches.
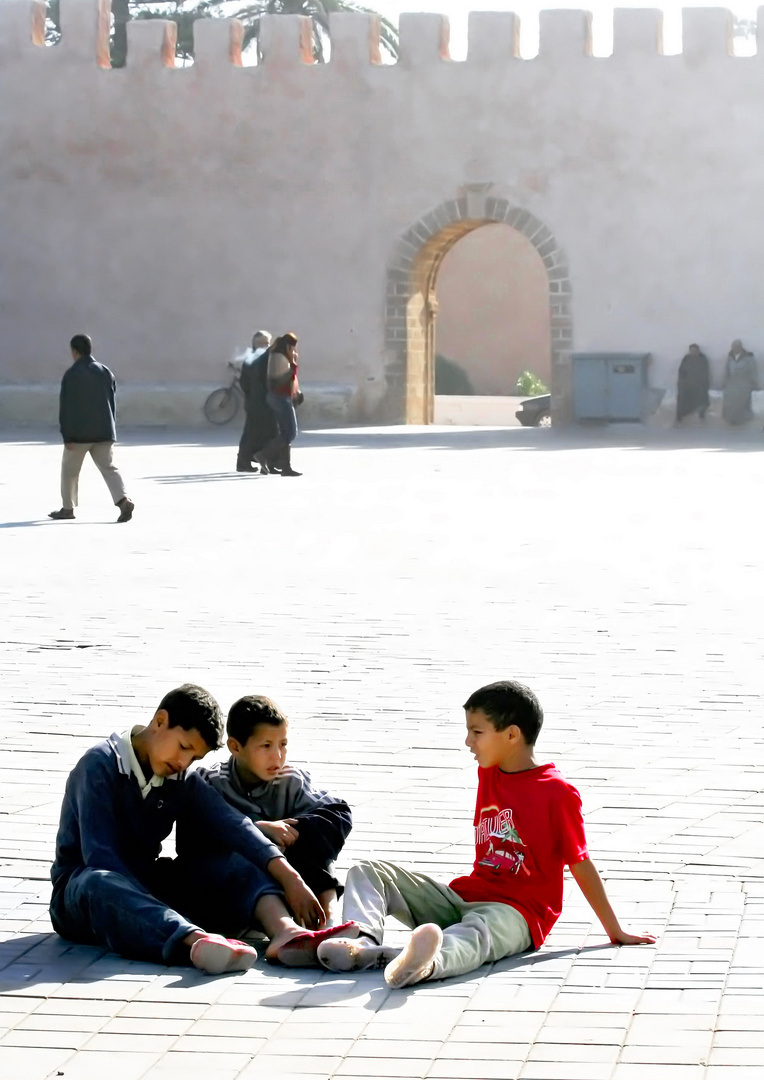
(536, 411)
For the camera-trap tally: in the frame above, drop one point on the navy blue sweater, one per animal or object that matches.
(107, 824)
(86, 409)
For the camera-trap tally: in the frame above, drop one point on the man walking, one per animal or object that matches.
(88, 426)
(259, 427)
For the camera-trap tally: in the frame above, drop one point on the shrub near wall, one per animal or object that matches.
(451, 378)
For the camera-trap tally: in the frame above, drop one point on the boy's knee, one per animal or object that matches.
(92, 880)
(91, 883)
(365, 869)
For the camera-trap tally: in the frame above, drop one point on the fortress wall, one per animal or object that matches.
(168, 211)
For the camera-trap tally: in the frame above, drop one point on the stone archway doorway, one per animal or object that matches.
(411, 308)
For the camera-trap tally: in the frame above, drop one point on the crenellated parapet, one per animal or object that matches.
(493, 38)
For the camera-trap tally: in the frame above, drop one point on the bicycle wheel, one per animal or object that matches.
(222, 405)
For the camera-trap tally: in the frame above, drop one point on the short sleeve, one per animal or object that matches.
(570, 830)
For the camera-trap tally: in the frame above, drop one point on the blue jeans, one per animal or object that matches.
(143, 921)
(286, 417)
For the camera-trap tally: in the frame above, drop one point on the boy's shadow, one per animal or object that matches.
(335, 988)
(32, 959)
(36, 959)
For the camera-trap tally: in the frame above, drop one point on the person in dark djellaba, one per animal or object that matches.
(740, 380)
(260, 427)
(693, 383)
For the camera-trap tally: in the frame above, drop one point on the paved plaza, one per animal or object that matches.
(618, 572)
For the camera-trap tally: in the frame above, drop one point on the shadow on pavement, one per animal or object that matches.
(195, 478)
(581, 437)
(22, 524)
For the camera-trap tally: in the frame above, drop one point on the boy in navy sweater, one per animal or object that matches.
(308, 824)
(111, 888)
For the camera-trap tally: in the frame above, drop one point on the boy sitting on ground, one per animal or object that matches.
(111, 888)
(528, 827)
(309, 825)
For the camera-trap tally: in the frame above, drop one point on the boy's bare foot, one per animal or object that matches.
(215, 954)
(416, 962)
(363, 954)
(298, 948)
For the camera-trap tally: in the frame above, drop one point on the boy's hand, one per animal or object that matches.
(590, 884)
(282, 833)
(622, 938)
(298, 897)
(304, 905)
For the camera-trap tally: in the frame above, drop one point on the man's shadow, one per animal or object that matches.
(22, 524)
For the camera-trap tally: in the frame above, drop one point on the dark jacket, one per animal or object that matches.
(107, 825)
(86, 406)
(253, 380)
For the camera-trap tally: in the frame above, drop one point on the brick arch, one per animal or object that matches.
(411, 305)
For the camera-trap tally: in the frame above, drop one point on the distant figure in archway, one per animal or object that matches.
(740, 380)
(693, 383)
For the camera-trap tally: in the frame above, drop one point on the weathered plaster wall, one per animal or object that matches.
(167, 212)
(493, 309)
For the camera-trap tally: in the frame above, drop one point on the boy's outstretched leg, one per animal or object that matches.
(103, 907)
(485, 933)
(473, 934)
(416, 961)
(374, 890)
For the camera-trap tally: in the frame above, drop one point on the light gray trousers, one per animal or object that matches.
(71, 464)
(473, 934)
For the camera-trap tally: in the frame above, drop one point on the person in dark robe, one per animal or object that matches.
(740, 380)
(693, 383)
(259, 426)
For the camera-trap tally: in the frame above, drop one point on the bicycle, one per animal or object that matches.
(223, 404)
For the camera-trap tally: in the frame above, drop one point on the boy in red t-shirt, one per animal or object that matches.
(528, 827)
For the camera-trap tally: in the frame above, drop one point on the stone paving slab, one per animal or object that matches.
(617, 571)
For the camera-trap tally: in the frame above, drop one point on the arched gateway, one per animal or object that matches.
(411, 306)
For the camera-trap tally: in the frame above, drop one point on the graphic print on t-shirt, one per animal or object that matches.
(504, 852)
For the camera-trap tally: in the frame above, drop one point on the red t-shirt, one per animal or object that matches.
(528, 827)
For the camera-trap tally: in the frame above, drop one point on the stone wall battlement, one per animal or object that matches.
(493, 39)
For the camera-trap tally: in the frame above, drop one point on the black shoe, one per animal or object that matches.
(245, 467)
(126, 507)
(62, 515)
(286, 468)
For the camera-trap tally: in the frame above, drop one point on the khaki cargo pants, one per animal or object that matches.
(71, 464)
(473, 934)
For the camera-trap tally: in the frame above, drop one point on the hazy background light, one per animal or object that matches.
(602, 21)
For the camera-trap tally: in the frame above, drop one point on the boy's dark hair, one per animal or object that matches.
(81, 344)
(248, 712)
(192, 707)
(509, 702)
